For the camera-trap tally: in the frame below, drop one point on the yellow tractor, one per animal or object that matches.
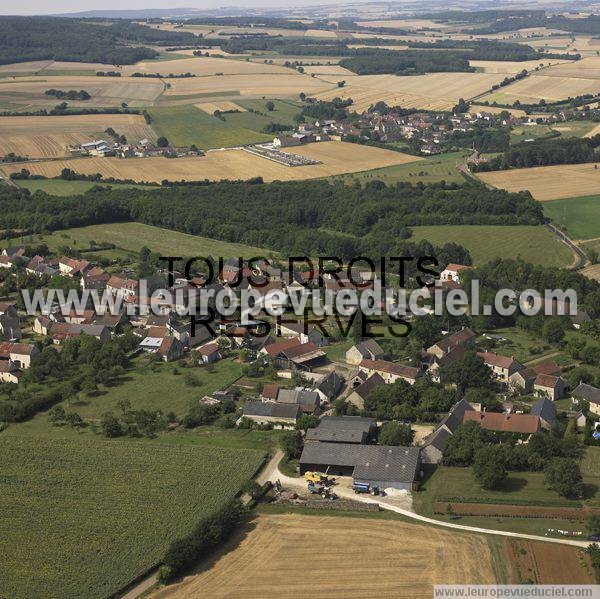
(315, 477)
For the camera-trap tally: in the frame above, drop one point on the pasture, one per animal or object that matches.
(89, 515)
(548, 182)
(435, 91)
(49, 136)
(391, 558)
(187, 125)
(429, 170)
(579, 216)
(336, 157)
(534, 244)
(131, 237)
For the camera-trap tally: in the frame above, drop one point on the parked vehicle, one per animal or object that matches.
(365, 488)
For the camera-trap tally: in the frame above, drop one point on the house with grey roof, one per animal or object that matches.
(545, 410)
(285, 414)
(309, 401)
(330, 386)
(342, 429)
(433, 451)
(378, 465)
(368, 349)
(363, 390)
(588, 393)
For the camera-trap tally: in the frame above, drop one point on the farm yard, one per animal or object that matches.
(386, 556)
(336, 158)
(89, 515)
(49, 136)
(535, 244)
(548, 182)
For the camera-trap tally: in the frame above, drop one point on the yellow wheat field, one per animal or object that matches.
(436, 91)
(337, 158)
(205, 65)
(49, 136)
(328, 69)
(536, 87)
(511, 67)
(105, 91)
(286, 84)
(549, 182)
(278, 556)
(212, 107)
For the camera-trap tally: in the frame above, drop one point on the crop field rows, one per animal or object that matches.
(75, 519)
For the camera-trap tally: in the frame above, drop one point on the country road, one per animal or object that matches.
(272, 473)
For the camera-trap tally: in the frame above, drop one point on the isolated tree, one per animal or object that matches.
(469, 371)
(395, 433)
(162, 142)
(292, 444)
(563, 476)
(111, 427)
(270, 106)
(302, 96)
(593, 525)
(489, 466)
(554, 330)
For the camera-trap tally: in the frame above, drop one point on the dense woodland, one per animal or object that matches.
(544, 153)
(44, 38)
(295, 217)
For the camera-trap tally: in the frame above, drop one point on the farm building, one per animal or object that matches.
(378, 465)
(525, 424)
(588, 393)
(502, 367)
(330, 386)
(362, 390)
(464, 337)
(390, 372)
(545, 410)
(368, 349)
(272, 413)
(342, 429)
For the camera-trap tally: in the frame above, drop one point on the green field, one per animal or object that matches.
(430, 170)
(131, 237)
(590, 465)
(522, 345)
(187, 125)
(60, 187)
(579, 216)
(535, 244)
(83, 519)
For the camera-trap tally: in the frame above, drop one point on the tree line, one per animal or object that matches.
(543, 153)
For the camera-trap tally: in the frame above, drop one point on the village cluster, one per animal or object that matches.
(294, 348)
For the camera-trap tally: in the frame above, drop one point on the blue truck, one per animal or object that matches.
(365, 488)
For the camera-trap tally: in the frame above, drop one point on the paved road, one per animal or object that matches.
(272, 473)
(581, 259)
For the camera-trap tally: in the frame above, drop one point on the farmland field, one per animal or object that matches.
(75, 510)
(390, 558)
(61, 187)
(532, 243)
(548, 182)
(104, 91)
(579, 216)
(437, 91)
(131, 237)
(336, 158)
(429, 170)
(49, 136)
(187, 125)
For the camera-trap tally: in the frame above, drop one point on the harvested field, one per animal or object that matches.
(328, 69)
(587, 68)
(548, 182)
(49, 136)
(212, 107)
(594, 131)
(511, 68)
(105, 91)
(288, 84)
(336, 158)
(534, 562)
(390, 558)
(436, 91)
(544, 86)
(592, 272)
(204, 65)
